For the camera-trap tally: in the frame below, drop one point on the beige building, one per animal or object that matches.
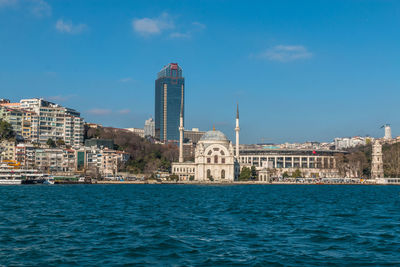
(100, 161)
(7, 150)
(137, 131)
(25, 154)
(54, 121)
(55, 160)
(193, 135)
(275, 162)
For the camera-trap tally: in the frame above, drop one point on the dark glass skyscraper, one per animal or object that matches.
(169, 94)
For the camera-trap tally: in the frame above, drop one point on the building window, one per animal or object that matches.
(223, 174)
(222, 153)
(223, 160)
(209, 173)
(209, 152)
(208, 160)
(215, 159)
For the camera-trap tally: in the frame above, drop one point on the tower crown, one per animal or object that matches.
(172, 70)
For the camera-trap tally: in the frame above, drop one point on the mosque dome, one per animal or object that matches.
(213, 136)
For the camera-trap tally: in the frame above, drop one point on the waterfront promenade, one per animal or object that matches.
(235, 183)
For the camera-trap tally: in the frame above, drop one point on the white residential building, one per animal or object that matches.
(348, 142)
(54, 122)
(150, 128)
(137, 131)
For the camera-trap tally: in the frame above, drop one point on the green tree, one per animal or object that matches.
(6, 131)
(297, 174)
(285, 175)
(245, 174)
(50, 142)
(253, 173)
(174, 177)
(60, 142)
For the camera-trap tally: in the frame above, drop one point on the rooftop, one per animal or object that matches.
(214, 136)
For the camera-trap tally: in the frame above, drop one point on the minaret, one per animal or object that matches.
(237, 129)
(181, 129)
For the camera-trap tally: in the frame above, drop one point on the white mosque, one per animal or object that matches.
(215, 157)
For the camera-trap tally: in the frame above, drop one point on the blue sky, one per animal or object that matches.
(300, 70)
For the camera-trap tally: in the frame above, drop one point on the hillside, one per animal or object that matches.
(145, 157)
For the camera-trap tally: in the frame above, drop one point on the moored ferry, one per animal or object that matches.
(11, 174)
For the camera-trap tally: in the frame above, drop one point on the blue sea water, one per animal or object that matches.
(199, 225)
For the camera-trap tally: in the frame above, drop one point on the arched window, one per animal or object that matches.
(208, 173)
(215, 159)
(223, 174)
(210, 152)
(222, 153)
(208, 160)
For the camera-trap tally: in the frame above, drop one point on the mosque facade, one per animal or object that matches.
(216, 159)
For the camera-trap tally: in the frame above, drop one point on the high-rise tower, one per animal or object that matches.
(169, 101)
(388, 131)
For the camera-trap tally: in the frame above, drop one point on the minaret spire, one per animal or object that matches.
(181, 129)
(237, 129)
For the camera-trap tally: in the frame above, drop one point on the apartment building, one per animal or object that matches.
(103, 161)
(25, 154)
(54, 122)
(7, 151)
(55, 160)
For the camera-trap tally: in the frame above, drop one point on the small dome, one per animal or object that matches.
(213, 136)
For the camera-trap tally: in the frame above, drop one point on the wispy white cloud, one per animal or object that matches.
(165, 23)
(195, 27)
(125, 80)
(153, 26)
(69, 27)
(5, 3)
(286, 53)
(124, 111)
(99, 111)
(40, 8)
(199, 25)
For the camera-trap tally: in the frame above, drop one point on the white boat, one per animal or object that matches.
(10, 182)
(11, 174)
(49, 181)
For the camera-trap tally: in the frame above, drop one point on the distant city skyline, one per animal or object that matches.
(300, 71)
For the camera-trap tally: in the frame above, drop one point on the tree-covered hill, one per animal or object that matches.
(145, 156)
(358, 160)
